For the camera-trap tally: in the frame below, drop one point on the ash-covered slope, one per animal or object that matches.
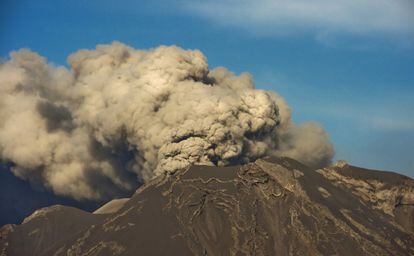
(270, 207)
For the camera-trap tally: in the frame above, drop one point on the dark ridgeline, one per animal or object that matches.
(18, 198)
(275, 206)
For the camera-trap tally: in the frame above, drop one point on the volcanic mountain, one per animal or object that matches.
(274, 206)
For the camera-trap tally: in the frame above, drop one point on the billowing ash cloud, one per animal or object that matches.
(120, 116)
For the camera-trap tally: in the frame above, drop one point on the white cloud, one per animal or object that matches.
(320, 18)
(374, 117)
(393, 125)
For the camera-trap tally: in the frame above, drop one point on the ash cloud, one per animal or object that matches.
(120, 116)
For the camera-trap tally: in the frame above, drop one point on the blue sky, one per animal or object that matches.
(348, 65)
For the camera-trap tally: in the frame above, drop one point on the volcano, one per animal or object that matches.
(274, 206)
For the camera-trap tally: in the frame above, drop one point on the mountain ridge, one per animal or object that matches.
(274, 206)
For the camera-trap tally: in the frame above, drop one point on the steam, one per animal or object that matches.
(120, 116)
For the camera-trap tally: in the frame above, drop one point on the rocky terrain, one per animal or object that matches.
(274, 206)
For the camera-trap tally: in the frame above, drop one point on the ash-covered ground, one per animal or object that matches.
(274, 206)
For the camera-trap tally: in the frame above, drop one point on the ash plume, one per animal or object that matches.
(120, 116)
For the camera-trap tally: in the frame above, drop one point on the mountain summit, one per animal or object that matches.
(274, 206)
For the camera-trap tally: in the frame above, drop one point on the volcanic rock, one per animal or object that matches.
(274, 206)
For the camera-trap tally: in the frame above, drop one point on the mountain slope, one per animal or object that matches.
(275, 206)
